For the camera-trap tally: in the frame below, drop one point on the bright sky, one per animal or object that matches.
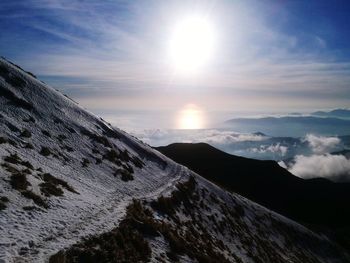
(184, 64)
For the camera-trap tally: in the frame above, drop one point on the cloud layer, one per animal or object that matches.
(253, 145)
(307, 157)
(160, 137)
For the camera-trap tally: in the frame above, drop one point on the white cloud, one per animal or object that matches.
(227, 137)
(321, 144)
(335, 167)
(274, 148)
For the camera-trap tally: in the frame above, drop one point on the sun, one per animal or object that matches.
(191, 117)
(191, 43)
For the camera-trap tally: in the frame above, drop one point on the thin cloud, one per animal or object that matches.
(124, 42)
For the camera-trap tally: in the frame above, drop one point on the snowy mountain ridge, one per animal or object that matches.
(70, 181)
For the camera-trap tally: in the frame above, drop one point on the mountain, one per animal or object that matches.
(291, 126)
(337, 113)
(313, 201)
(75, 189)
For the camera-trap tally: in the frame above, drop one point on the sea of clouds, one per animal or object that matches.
(307, 157)
(158, 137)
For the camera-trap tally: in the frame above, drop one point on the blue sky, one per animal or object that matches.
(270, 56)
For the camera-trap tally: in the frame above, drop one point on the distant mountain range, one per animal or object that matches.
(313, 201)
(337, 113)
(291, 126)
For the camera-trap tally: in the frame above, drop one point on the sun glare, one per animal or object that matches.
(191, 117)
(191, 44)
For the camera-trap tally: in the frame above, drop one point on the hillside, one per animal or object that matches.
(313, 201)
(74, 189)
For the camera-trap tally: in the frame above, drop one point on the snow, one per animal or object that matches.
(319, 248)
(102, 198)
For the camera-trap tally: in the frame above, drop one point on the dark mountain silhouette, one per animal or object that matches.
(313, 201)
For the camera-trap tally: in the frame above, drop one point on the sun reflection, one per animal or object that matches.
(191, 117)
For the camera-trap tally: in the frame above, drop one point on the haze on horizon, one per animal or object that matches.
(178, 64)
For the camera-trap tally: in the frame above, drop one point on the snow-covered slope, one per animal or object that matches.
(67, 175)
